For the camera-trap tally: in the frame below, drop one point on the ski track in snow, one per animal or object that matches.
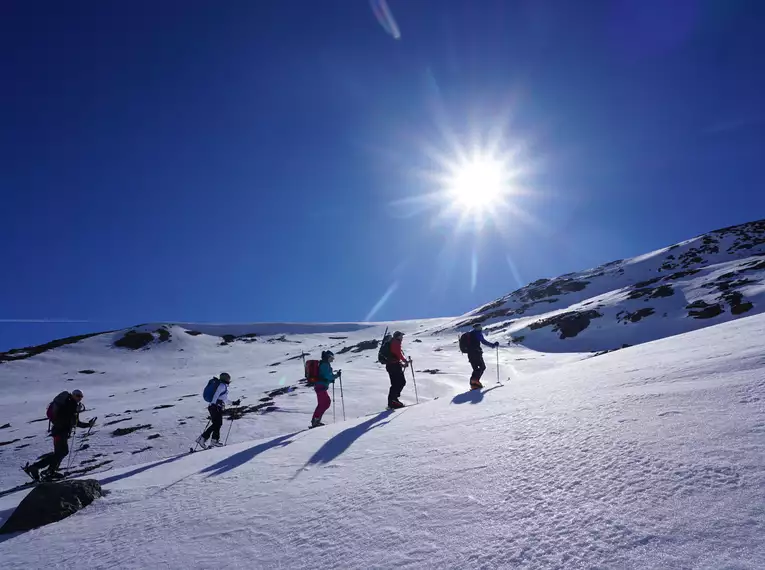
(649, 457)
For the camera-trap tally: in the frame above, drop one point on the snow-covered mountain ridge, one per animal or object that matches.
(706, 280)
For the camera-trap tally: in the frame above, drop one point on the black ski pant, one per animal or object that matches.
(479, 366)
(53, 460)
(216, 421)
(397, 380)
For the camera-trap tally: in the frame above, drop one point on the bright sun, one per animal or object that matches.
(478, 185)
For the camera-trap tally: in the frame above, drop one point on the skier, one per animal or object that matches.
(475, 355)
(216, 407)
(64, 415)
(395, 365)
(326, 377)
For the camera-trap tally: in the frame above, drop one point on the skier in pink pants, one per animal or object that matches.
(326, 377)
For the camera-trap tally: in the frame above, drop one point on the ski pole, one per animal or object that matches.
(498, 382)
(92, 423)
(74, 444)
(414, 380)
(342, 399)
(229, 430)
(204, 430)
(334, 416)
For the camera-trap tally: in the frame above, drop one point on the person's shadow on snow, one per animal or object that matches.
(246, 455)
(472, 396)
(340, 443)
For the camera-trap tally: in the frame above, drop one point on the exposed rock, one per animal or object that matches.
(568, 324)
(51, 502)
(147, 448)
(193, 333)
(737, 304)
(163, 406)
(634, 317)
(154, 436)
(111, 423)
(164, 334)
(2, 443)
(363, 345)
(124, 431)
(651, 292)
(134, 340)
(29, 351)
(86, 372)
(5, 426)
(703, 310)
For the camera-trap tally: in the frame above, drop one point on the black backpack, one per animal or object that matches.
(384, 354)
(466, 339)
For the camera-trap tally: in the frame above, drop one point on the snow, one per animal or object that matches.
(649, 457)
(646, 457)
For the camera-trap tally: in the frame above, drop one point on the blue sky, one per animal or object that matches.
(185, 160)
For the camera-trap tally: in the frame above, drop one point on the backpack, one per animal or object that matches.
(466, 339)
(55, 406)
(210, 389)
(384, 354)
(312, 371)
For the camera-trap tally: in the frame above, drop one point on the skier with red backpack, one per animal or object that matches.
(395, 362)
(321, 375)
(470, 344)
(216, 395)
(64, 415)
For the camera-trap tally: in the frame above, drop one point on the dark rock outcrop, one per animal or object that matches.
(124, 431)
(363, 345)
(29, 351)
(134, 340)
(568, 324)
(51, 502)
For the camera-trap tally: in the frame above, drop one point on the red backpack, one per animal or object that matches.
(312, 371)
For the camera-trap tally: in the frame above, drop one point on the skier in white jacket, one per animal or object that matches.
(216, 407)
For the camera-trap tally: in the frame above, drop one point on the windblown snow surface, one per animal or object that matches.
(648, 457)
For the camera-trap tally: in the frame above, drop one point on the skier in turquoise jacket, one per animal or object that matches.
(326, 377)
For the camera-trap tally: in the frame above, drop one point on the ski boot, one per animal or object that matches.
(475, 385)
(395, 405)
(315, 422)
(202, 442)
(49, 476)
(215, 443)
(32, 471)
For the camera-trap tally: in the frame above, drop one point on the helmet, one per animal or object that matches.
(478, 326)
(327, 354)
(398, 334)
(225, 377)
(77, 394)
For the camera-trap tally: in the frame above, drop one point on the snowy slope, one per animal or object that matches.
(649, 457)
(713, 278)
(156, 386)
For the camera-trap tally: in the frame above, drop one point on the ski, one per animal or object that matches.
(18, 488)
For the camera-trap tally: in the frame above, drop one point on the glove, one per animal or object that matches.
(338, 373)
(496, 345)
(236, 402)
(404, 364)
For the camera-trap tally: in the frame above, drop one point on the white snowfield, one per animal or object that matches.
(649, 457)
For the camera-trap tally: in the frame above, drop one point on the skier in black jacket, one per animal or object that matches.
(64, 414)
